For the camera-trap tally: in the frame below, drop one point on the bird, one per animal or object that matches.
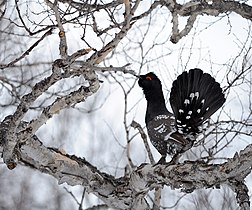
(194, 97)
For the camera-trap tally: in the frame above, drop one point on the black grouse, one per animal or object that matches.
(194, 97)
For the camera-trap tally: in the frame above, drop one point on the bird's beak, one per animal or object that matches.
(138, 76)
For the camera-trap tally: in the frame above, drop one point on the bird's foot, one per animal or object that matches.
(161, 161)
(174, 159)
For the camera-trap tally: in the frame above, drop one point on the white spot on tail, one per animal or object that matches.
(207, 108)
(188, 117)
(189, 112)
(186, 101)
(181, 111)
(198, 110)
(197, 95)
(192, 95)
(203, 101)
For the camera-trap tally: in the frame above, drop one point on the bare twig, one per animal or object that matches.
(97, 57)
(137, 126)
(49, 32)
(82, 198)
(176, 35)
(157, 194)
(62, 35)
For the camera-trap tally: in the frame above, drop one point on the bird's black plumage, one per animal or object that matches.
(194, 97)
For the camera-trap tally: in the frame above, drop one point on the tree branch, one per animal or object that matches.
(242, 195)
(13, 131)
(137, 126)
(121, 193)
(49, 32)
(196, 8)
(97, 57)
(63, 42)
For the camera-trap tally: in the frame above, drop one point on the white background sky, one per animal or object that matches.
(99, 136)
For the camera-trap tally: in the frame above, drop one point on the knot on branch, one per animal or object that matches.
(4, 129)
(8, 142)
(59, 63)
(61, 34)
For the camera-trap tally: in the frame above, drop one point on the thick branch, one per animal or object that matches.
(11, 130)
(196, 8)
(128, 193)
(77, 171)
(9, 126)
(241, 191)
(212, 8)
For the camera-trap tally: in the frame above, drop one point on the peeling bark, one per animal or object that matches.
(193, 9)
(128, 193)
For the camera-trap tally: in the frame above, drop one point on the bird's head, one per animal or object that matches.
(149, 82)
(152, 89)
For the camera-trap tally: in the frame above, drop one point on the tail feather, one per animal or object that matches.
(194, 97)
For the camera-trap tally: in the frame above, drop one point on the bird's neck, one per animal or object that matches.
(155, 105)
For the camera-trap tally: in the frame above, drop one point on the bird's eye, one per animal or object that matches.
(148, 78)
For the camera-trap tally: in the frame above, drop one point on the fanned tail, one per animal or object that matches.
(194, 97)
